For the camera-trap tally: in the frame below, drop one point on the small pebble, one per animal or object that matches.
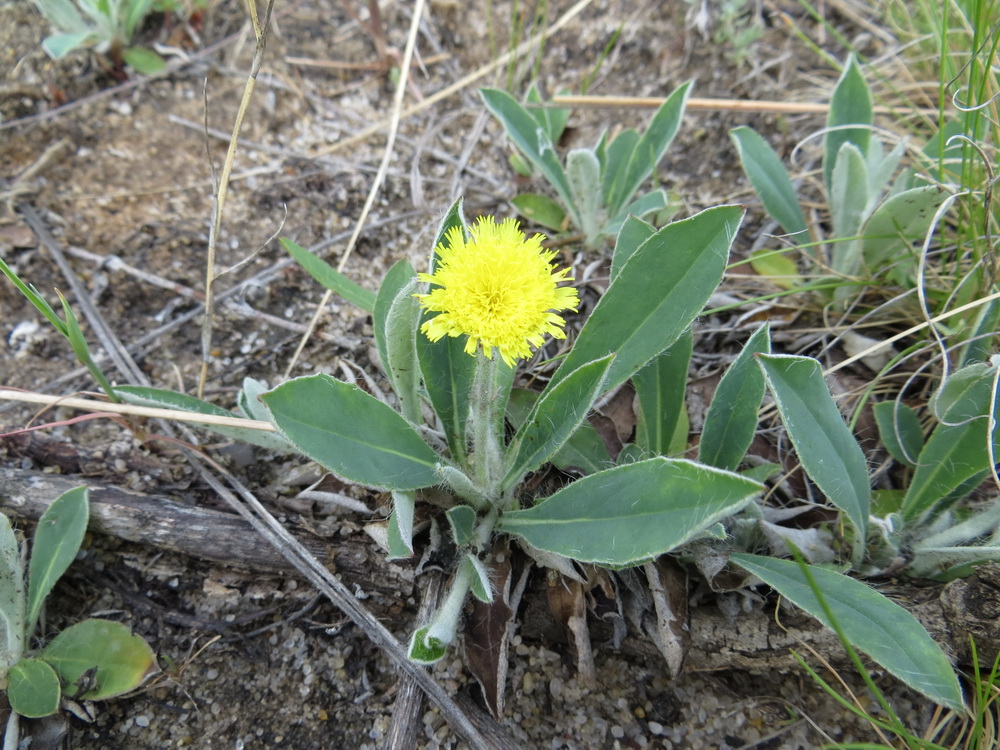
(142, 721)
(655, 727)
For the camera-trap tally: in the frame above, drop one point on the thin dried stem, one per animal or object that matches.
(397, 107)
(260, 31)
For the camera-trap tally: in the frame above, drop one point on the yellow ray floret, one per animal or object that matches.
(499, 288)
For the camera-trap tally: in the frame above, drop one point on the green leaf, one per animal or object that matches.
(618, 154)
(583, 173)
(424, 650)
(33, 689)
(553, 119)
(36, 299)
(351, 433)
(57, 540)
(848, 201)
(828, 451)
(446, 369)
(143, 61)
(542, 210)
(555, 416)
(81, 349)
(731, 420)
(58, 46)
(899, 428)
(851, 104)
(899, 222)
(965, 394)
(162, 399)
(401, 349)
(62, 14)
(329, 276)
(650, 148)
(633, 233)
(656, 295)
(120, 661)
(398, 276)
(12, 613)
(659, 388)
(776, 267)
(882, 629)
(400, 531)
(533, 141)
(462, 520)
(631, 513)
(479, 579)
(644, 205)
(770, 180)
(953, 455)
(585, 451)
(136, 10)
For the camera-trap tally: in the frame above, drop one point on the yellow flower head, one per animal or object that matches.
(498, 288)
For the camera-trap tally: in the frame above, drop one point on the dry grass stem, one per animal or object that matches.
(104, 407)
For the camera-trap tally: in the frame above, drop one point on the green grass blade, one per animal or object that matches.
(329, 276)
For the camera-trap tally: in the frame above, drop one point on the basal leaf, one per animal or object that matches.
(770, 181)
(585, 450)
(644, 205)
(398, 276)
(882, 629)
(33, 689)
(118, 660)
(953, 455)
(554, 417)
(633, 233)
(542, 210)
(583, 174)
(731, 420)
(656, 295)
(57, 540)
(649, 149)
(351, 433)
(401, 349)
(828, 451)
(631, 513)
(659, 388)
(446, 369)
(898, 223)
(12, 613)
(848, 201)
(900, 430)
(851, 104)
(532, 139)
(143, 61)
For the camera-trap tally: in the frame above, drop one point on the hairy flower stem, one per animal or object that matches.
(445, 622)
(486, 455)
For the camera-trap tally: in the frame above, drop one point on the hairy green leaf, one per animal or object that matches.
(351, 433)
(631, 513)
(882, 629)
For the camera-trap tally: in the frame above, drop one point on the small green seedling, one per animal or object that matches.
(91, 660)
(106, 26)
(597, 186)
(875, 221)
